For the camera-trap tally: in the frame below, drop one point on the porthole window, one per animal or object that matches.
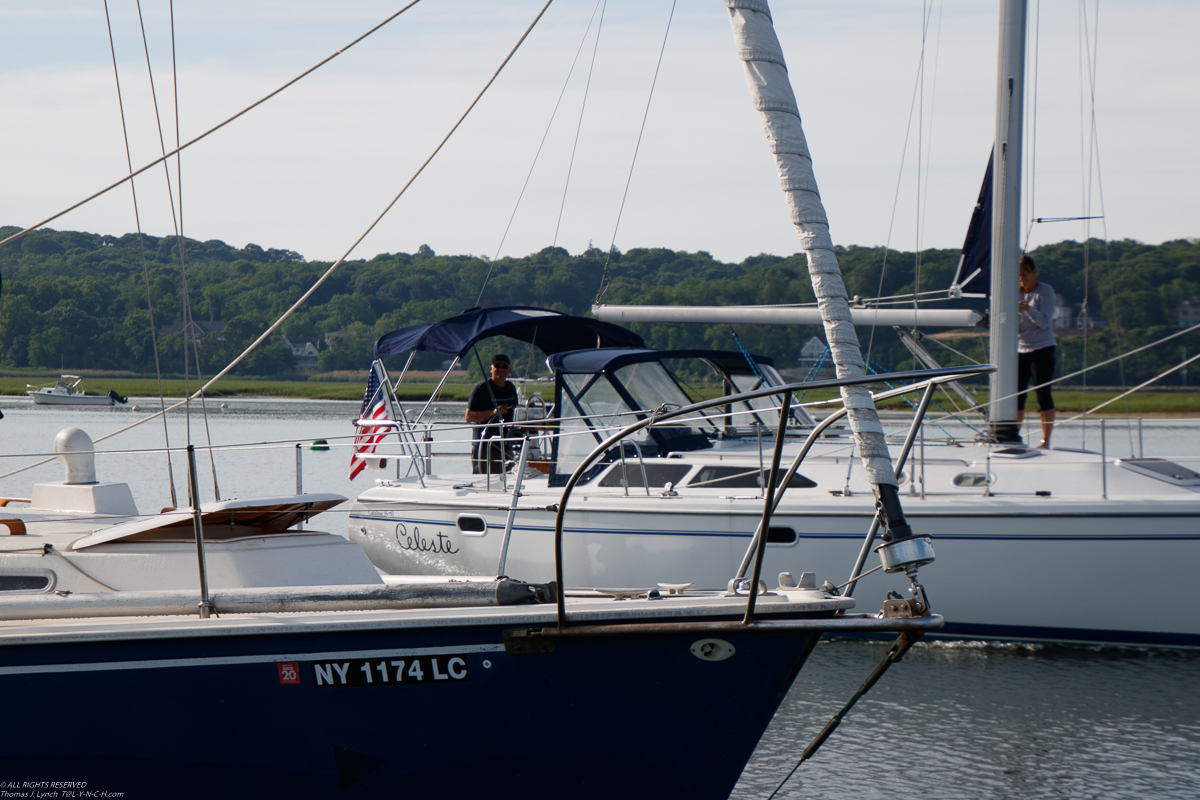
(970, 479)
(780, 535)
(26, 580)
(471, 525)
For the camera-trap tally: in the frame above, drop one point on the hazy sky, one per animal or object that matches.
(312, 168)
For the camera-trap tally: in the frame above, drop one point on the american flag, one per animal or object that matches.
(374, 406)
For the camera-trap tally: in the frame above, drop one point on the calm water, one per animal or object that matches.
(950, 721)
(969, 720)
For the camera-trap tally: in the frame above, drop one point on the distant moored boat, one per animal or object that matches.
(69, 391)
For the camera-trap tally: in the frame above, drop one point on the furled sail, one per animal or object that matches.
(974, 274)
(771, 92)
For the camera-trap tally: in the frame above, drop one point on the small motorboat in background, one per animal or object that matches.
(70, 391)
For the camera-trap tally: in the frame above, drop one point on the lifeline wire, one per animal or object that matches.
(1163, 340)
(604, 276)
(338, 263)
(213, 129)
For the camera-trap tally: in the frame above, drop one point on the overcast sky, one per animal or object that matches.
(312, 168)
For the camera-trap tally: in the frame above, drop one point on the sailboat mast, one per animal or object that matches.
(773, 98)
(1006, 221)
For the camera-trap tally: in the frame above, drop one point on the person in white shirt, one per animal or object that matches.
(1035, 345)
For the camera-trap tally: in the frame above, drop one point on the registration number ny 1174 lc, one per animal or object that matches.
(390, 671)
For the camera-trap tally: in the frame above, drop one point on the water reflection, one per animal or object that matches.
(973, 720)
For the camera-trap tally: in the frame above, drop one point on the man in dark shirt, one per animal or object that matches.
(493, 401)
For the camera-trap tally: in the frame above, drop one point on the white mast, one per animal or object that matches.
(1006, 221)
(771, 92)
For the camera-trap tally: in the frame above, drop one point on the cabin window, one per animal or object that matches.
(740, 478)
(471, 525)
(40, 580)
(969, 479)
(780, 535)
(657, 474)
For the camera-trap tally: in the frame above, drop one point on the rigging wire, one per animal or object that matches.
(177, 223)
(900, 176)
(141, 250)
(325, 276)
(578, 127)
(937, 49)
(182, 243)
(214, 129)
(605, 276)
(1094, 171)
(917, 219)
(537, 155)
(1086, 317)
(1031, 164)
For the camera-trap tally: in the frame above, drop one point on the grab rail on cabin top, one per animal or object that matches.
(925, 381)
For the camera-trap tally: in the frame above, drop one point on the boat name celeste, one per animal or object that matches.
(420, 544)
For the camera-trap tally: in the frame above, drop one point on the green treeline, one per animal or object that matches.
(79, 300)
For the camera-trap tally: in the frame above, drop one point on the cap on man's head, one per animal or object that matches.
(500, 360)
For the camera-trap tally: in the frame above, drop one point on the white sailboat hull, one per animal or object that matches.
(1012, 565)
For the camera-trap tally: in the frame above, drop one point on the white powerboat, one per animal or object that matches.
(68, 391)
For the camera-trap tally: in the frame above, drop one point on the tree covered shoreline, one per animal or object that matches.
(79, 300)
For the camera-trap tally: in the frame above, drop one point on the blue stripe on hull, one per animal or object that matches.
(1132, 536)
(596, 718)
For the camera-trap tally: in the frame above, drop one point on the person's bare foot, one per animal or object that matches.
(1044, 446)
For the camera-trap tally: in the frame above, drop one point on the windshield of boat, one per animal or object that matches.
(766, 409)
(651, 385)
(592, 411)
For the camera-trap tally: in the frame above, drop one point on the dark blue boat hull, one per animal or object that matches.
(291, 715)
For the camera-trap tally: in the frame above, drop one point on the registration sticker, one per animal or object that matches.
(390, 671)
(289, 672)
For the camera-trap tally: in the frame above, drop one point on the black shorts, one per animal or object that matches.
(1039, 364)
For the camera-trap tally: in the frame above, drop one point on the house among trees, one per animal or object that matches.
(196, 330)
(811, 355)
(1070, 315)
(304, 350)
(1188, 313)
(206, 332)
(1064, 312)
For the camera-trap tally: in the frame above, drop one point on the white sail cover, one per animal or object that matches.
(788, 315)
(771, 91)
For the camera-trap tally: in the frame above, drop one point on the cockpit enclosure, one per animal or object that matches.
(606, 379)
(598, 392)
